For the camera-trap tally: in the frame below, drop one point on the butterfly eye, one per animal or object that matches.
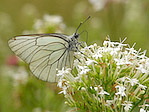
(76, 36)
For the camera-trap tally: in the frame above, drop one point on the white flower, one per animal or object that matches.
(98, 4)
(109, 102)
(102, 92)
(132, 81)
(90, 61)
(127, 105)
(141, 68)
(123, 61)
(121, 90)
(143, 107)
(19, 76)
(114, 51)
(96, 88)
(132, 51)
(142, 86)
(91, 87)
(83, 88)
(64, 90)
(61, 82)
(54, 19)
(84, 69)
(142, 55)
(63, 71)
(97, 55)
(76, 62)
(142, 110)
(47, 23)
(147, 62)
(92, 46)
(122, 79)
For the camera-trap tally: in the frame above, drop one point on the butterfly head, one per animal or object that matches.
(76, 35)
(73, 43)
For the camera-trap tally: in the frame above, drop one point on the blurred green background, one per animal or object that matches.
(22, 92)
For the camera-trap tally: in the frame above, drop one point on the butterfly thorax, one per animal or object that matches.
(73, 42)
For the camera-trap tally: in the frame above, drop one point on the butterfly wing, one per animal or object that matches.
(44, 53)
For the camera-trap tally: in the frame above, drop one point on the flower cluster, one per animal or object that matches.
(17, 75)
(113, 77)
(100, 4)
(49, 23)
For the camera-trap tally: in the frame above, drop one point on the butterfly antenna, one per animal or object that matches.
(81, 24)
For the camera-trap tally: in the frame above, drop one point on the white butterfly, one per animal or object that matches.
(46, 52)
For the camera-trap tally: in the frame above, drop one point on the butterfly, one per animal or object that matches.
(45, 53)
